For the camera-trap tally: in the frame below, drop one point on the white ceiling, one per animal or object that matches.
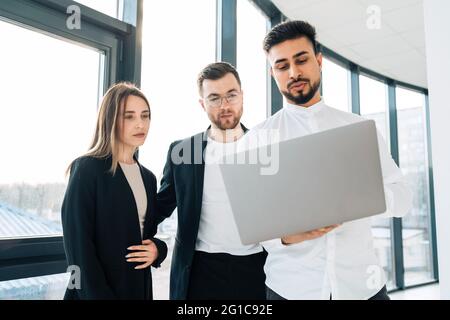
(396, 49)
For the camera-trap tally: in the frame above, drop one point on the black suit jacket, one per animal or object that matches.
(182, 187)
(100, 221)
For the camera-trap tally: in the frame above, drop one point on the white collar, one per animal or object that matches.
(305, 110)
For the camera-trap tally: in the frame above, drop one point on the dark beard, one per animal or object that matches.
(301, 98)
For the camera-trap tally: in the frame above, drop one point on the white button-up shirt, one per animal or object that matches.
(343, 262)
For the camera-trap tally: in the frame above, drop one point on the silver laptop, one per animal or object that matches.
(322, 179)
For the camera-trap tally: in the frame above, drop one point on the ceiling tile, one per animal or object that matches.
(323, 14)
(405, 19)
(405, 60)
(415, 37)
(348, 54)
(381, 47)
(358, 33)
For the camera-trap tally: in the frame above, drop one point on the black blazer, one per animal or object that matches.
(182, 187)
(100, 221)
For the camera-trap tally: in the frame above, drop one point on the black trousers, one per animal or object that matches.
(221, 276)
(381, 295)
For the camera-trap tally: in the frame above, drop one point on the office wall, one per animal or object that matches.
(437, 26)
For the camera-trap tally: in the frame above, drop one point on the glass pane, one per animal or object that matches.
(374, 103)
(108, 7)
(49, 104)
(412, 142)
(373, 97)
(251, 62)
(50, 287)
(335, 87)
(169, 78)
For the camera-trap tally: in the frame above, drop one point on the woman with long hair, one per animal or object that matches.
(109, 205)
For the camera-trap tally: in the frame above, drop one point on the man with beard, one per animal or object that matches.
(209, 261)
(336, 262)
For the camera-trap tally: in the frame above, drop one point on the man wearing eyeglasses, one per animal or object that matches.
(209, 261)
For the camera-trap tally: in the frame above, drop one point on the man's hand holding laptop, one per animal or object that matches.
(309, 235)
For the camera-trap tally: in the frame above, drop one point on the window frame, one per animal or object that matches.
(118, 41)
(429, 173)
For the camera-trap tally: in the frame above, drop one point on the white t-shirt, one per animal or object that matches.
(134, 178)
(217, 231)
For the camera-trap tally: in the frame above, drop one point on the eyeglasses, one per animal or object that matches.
(231, 98)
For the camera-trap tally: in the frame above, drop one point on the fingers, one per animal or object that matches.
(334, 226)
(143, 266)
(139, 254)
(147, 247)
(328, 228)
(147, 262)
(147, 253)
(146, 244)
(151, 247)
(317, 233)
(309, 235)
(140, 248)
(146, 259)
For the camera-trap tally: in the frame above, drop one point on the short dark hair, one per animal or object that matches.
(290, 30)
(215, 71)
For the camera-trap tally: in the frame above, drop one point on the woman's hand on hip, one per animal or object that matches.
(146, 253)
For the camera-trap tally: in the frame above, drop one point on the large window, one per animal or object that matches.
(173, 55)
(335, 85)
(52, 77)
(413, 157)
(374, 105)
(251, 62)
(47, 118)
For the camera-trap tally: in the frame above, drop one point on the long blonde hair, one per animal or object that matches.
(106, 138)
